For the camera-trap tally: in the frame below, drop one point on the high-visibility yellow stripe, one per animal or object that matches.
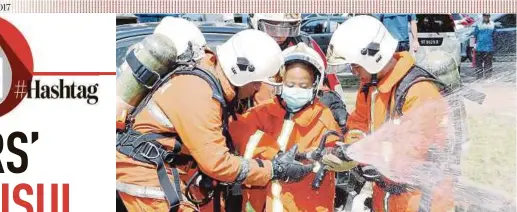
(276, 188)
(373, 97)
(252, 144)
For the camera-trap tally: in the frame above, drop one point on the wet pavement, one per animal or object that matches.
(503, 72)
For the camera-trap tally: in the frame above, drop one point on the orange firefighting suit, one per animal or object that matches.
(310, 125)
(187, 102)
(370, 114)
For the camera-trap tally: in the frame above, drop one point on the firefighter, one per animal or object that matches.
(365, 43)
(182, 128)
(285, 29)
(297, 107)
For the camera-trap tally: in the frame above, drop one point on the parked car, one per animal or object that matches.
(436, 32)
(322, 28)
(504, 37)
(194, 17)
(154, 17)
(241, 18)
(126, 19)
(306, 16)
(309, 16)
(470, 18)
(475, 16)
(215, 34)
(461, 21)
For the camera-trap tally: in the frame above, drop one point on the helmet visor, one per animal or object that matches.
(279, 29)
(297, 57)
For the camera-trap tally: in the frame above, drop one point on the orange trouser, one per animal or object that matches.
(137, 204)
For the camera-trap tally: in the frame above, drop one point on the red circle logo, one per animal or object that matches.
(17, 68)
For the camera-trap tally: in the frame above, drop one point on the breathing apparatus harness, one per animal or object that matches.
(144, 147)
(415, 75)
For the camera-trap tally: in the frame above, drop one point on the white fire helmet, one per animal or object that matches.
(277, 24)
(362, 40)
(250, 56)
(188, 39)
(301, 53)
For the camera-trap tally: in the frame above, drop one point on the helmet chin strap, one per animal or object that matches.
(371, 50)
(316, 89)
(233, 103)
(366, 87)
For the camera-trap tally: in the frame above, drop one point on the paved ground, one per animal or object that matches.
(502, 72)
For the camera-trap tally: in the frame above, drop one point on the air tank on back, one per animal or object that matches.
(150, 60)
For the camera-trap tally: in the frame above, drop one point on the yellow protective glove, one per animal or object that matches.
(333, 163)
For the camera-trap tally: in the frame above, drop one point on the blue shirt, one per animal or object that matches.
(397, 24)
(484, 34)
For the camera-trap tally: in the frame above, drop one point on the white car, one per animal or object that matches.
(437, 32)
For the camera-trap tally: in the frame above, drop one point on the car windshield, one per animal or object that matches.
(434, 23)
(215, 39)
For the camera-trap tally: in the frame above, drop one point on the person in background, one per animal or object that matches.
(484, 39)
(397, 25)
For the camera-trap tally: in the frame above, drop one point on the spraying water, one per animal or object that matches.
(416, 151)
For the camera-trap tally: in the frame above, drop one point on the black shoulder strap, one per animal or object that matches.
(415, 75)
(228, 110)
(187, 70)
(217, 94)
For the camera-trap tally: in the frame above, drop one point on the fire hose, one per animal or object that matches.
(317, 155)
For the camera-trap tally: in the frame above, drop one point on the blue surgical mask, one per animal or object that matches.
(295, 98)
